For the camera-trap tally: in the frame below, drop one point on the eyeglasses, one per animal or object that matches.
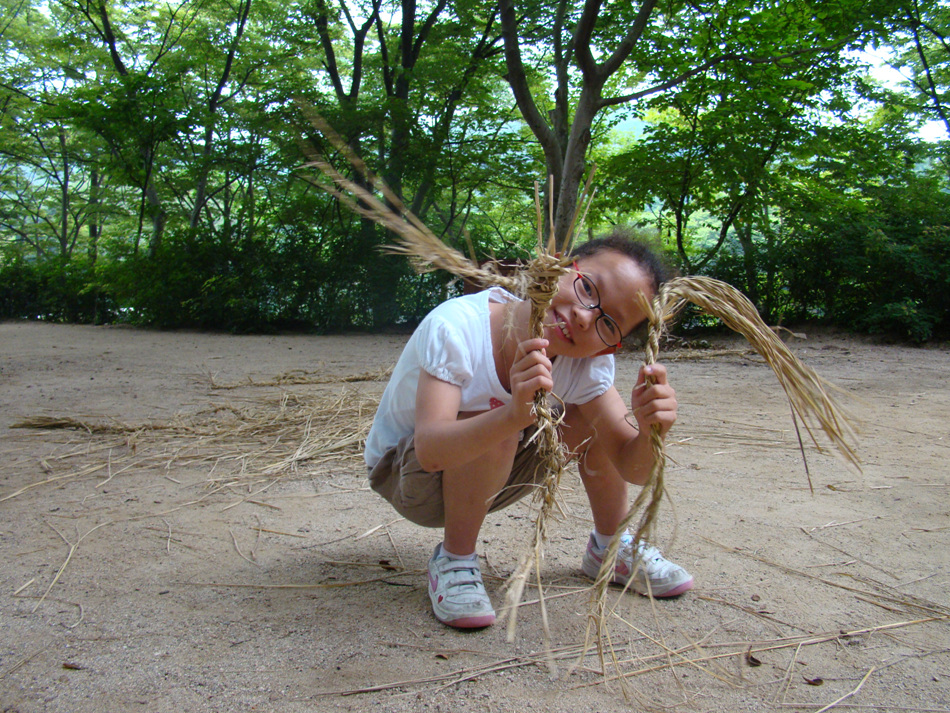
(607, 328)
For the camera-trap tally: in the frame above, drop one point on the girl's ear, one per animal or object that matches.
(608, 350)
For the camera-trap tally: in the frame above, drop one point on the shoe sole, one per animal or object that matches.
(469, 622)
(675, 592)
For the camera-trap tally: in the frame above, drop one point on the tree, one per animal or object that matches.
(711, 146)
(401, 74)
(607, 58)
(124, 99)
(918, 37)
(867, 241)
(151, 151)
(48, 189)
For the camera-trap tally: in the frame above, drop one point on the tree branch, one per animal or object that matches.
(245, 11)
(167, 44)
(612, 63)
(518, 81)
(582, 34)
(931, 88)
(108, 37)
(709, 64)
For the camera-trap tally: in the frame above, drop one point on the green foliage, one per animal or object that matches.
(882, 265)
(263, 285)
(150, 165)
(56, 290)
(918, 47)
(873, 260)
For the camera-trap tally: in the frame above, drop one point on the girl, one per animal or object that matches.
(451, 439)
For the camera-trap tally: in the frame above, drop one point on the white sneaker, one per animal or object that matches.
(457, 593)
(666, 579)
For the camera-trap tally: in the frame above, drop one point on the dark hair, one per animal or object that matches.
(635, 245)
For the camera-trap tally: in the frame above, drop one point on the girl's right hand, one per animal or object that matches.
(530, 372)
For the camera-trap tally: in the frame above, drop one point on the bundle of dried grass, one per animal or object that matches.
(50, 423)
(545, 271)
(807, 393)
(537, 282)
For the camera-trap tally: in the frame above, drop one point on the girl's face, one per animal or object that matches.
(571, 326)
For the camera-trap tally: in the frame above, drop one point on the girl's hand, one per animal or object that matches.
(656, 403)
(530, 372)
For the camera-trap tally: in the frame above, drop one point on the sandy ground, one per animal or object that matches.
(180, 557)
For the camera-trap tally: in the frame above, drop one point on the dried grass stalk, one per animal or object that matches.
(304, 378)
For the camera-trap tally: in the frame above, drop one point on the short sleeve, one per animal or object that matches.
(583, 380)
(443, 352)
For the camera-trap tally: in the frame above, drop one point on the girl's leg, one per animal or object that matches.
(456, 590)
(468, 492)
(606, 490)
(640, 564)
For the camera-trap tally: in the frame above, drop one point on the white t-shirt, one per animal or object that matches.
(453, 344)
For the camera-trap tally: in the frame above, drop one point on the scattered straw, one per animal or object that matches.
(273, 437)
(317, 585)
(302, 378)
(22, 662)
(73, 546)
(744, 649)
(889, 595)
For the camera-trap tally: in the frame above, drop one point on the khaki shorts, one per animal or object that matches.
(417, 495)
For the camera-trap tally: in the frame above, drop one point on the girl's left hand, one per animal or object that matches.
(653, 403)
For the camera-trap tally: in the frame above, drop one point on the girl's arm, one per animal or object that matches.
(447, 438)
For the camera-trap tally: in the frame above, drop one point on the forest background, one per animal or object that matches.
(152, 153)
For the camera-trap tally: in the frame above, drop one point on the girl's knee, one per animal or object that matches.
(576, 431)
(504, 452)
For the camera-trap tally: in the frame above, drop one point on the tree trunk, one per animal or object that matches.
(158, 216)
(95, 227)
(64, 243)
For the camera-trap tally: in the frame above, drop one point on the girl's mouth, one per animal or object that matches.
(562, 327)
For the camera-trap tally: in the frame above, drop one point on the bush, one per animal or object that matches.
(875, 262)
(57, 289)
(260, 285)
(884, 270)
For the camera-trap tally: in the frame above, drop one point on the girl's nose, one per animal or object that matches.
(584, 318)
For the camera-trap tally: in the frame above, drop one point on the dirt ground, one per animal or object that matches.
(197, 535)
